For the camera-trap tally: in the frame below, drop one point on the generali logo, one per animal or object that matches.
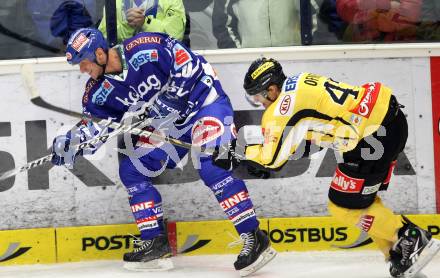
(13, 251)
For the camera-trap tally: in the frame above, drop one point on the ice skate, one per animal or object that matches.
(255, 254)
(414, 249)
(149, 255)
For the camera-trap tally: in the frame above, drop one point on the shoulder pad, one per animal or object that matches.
(182, 56)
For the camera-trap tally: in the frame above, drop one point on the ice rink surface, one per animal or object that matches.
(356, 264)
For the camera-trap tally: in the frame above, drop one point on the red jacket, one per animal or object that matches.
(379, 19)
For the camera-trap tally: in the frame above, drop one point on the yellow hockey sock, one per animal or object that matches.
(377, 220)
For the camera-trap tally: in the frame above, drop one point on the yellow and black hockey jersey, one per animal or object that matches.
(326, 112)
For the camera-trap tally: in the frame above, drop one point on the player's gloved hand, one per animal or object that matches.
(63, 152)
(165, 110)
(226, 157)
(258, 173)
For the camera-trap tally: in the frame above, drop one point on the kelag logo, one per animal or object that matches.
(13, 252)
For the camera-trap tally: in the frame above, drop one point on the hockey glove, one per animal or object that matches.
(226, 157)
(165, 111)
(62, 151)
(258, 173)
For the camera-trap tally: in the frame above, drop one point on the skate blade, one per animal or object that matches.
(264, 258)
(425, 257)
(162, 264)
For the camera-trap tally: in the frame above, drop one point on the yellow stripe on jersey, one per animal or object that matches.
(316, 108)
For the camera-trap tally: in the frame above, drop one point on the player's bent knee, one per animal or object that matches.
(211, 174)
(129, 173)
(141, 189)
(345, 215)
(353, 190)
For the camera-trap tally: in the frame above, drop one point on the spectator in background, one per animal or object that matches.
(198, 30)
(69, 17)
(429, 28)
(256, 23)
(380, 20)
(134, 16)
(19, 39)
(330, 26)
(59, 19)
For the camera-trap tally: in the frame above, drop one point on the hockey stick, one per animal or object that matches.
(25, 39)
(118, 128)
(27, 73)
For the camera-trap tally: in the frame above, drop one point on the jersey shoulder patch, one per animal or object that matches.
(100, 95)
(285, 105)
(181, 56)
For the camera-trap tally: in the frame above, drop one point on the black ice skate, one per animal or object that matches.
(255, 254)
(414, 249)
(149, 255)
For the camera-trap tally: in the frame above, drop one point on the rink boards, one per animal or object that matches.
(69, 244)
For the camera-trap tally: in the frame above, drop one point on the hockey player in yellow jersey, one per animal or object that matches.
(366, 128)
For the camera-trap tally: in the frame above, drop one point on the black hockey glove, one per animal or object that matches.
(226, 157)
(258, 173)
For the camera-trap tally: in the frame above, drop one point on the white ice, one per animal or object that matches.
(339, 264)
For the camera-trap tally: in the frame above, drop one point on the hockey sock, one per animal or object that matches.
(377, 220)
(146, 206)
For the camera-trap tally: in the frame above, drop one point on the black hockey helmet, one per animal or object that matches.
(262, 73)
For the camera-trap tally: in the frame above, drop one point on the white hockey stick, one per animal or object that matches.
(136, 128)
(28, 76)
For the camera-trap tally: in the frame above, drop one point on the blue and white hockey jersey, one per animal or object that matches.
(153, 64)
(162, 73)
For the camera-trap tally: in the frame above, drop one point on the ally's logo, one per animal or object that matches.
(13, 251)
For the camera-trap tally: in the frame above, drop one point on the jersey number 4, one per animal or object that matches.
(338, 94)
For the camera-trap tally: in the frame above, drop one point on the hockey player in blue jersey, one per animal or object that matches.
(182, 93)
